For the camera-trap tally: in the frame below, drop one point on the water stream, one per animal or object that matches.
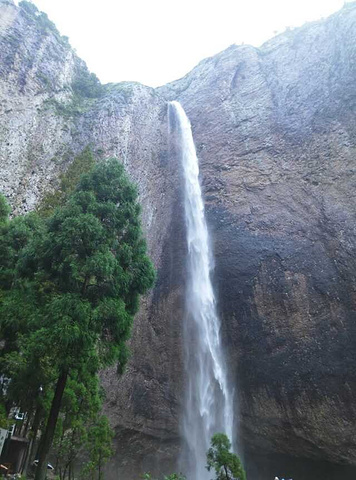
(209, 399)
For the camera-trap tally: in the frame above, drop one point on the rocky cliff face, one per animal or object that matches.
(44, 123)
(276, 135)
(275, 131)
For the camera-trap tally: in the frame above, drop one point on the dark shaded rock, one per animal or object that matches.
(275, 131)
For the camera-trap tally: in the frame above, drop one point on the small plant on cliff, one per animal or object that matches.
(226, 464)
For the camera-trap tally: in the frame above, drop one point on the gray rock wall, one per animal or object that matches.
(43, 126)
(275, 133)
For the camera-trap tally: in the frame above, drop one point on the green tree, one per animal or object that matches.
(99, 447)
(4, 421)
(18, 301)
(81, 405)
(4, 210)
(172, 476)
(226, 464)
(175, 476)
(85, 271)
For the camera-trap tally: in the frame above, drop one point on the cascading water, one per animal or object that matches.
(209, 400)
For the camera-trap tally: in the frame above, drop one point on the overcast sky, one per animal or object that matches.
(157, 41)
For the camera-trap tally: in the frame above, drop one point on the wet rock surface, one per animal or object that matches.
(275, 130)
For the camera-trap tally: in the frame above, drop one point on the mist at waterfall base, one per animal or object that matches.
(208, 407)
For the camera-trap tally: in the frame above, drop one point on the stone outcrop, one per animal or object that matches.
(275, 130)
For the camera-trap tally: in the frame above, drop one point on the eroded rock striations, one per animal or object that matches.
(275, 130)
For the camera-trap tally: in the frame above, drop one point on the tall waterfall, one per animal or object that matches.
(208, 403)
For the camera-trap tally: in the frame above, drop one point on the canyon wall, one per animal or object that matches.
(276, 135)
(275, 130)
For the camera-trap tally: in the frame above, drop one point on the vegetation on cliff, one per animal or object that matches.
(85, 87)
(82, 163)
(44, 24)
(70, 286)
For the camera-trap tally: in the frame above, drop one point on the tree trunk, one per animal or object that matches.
(25, 461)
(48, 434)
(27, 423)
(34, 431)
(99, 466)
(59, 449)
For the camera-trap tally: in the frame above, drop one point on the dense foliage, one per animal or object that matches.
(70, 286)
(81, 431)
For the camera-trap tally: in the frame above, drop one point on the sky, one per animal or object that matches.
(158, 41)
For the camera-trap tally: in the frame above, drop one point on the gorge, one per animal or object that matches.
(275, 133)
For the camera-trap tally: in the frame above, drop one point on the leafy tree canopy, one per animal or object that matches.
(226, 464)
(70, 286)
(4, 210)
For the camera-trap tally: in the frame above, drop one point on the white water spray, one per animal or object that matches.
(209, 403)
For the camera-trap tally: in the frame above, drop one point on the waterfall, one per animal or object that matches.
(209, 400)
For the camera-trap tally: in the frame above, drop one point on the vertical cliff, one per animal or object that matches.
(51, 109)
(276, 135)
(275, 130)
